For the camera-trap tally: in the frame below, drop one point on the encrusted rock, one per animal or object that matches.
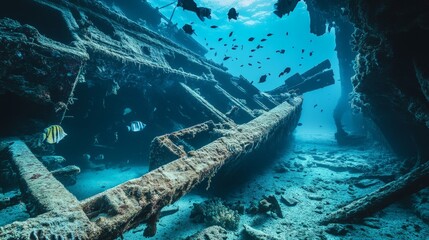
(211, 233)
(336, 230)
(289, 201)
(365, 183)
(315, 197)
(255, 234)
(214, 212)
(281, 168)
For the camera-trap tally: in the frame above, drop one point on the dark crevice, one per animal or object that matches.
(48, 21)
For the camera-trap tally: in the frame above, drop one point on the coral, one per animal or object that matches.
(214, 212)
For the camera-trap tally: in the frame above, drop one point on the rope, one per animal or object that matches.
(166, 5)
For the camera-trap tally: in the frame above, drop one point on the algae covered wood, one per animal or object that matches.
(406, 185)
(57, 212)
(125, 206)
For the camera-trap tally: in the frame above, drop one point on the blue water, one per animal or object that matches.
(256, 19)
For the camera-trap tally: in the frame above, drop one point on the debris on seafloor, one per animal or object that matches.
(211, 233)
(255, 234)
(214, 212)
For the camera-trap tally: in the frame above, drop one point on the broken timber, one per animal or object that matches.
(317, 77)
(406, 185)
(108, 214)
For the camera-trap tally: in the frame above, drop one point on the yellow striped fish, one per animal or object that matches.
(54, 134)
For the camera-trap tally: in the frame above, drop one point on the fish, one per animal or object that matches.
(251, 39)
(311, 53)
(321, 110)
(220, 39)
(188, 29)
(99, 157)
(259, 46)
(53, 134)
(190, 5)
(263, 78)
(268, 58)
(86, 156)
(232, 14)
(225, 45)
(226, 58)
(258, 62)
(286, 71)
(287, 33)
(136, 126)
(213, 26)
(127, 111)
(283, 7)
(302, 50)
(215, 54)
(251, 82)
(299, 124)
(234, 39)
(259, 67)
(204, 12)
(230, 34)
(250, 56)
(234, 48)
(241, 65)
(315, 105)
(249, 64)
(269, 34)
(281, 51)
(263, 39)
(211, 48)
(253, 50)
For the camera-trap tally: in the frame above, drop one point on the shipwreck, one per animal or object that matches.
(79, 64)
(94, 64)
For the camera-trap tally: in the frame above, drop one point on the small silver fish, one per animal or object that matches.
(127, 111)
(99, 157)
(136, 126)
(53, 134)
(86, 156)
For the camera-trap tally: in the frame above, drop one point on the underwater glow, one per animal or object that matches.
(291, 33)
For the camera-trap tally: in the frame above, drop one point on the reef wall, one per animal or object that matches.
(391, 71)
(390, 81)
